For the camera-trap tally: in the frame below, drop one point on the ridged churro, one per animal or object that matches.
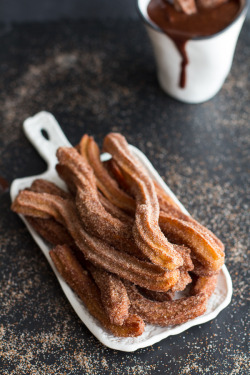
(95, 250)
(166, 203)
(108, 186)
(113, 294)
(169, 207)
(43, 186)
(51, 231)
(204, 248)
(79, 280)
(146, 231)
(206, 241)
(95, 218)
(168, 312)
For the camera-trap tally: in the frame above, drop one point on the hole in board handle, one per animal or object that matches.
(45, 134)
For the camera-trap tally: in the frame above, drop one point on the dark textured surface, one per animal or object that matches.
(97, 77)
(47, 10)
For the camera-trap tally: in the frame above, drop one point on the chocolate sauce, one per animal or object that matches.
(4, 185)
(181, 46)
(181, 27)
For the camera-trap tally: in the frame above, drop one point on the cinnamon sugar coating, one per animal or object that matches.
(79, 280)
(204, 284)
(168, 312)
(95, 218)
(113, 294)
(51, 231)
(146, 231)
(168, 206)
(95, 250)
(108, 186)
(203, 246)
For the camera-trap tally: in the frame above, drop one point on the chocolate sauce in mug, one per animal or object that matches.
(181, 27)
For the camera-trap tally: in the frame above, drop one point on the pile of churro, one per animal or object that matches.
(120, 242)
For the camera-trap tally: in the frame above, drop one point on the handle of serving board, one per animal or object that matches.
(46, 135)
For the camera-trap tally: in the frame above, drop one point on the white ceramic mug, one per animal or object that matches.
(210, 59)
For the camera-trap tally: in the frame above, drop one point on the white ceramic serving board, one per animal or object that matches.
(33, 128)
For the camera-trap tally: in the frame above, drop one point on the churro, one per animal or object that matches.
(51, 231)
(204, 284)
(108, 186)
(95, 218)
(43, 186)
(113, 294)
(168, 312)
(204, 248)
(170, 207)
(146, 231)
(79, 280)
(95, 250)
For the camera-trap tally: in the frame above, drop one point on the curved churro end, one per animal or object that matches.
(168, 312)
(82, 147)
(205, 249)
(204, 284)
(132, 327)
(107, 185)
(24, 205)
